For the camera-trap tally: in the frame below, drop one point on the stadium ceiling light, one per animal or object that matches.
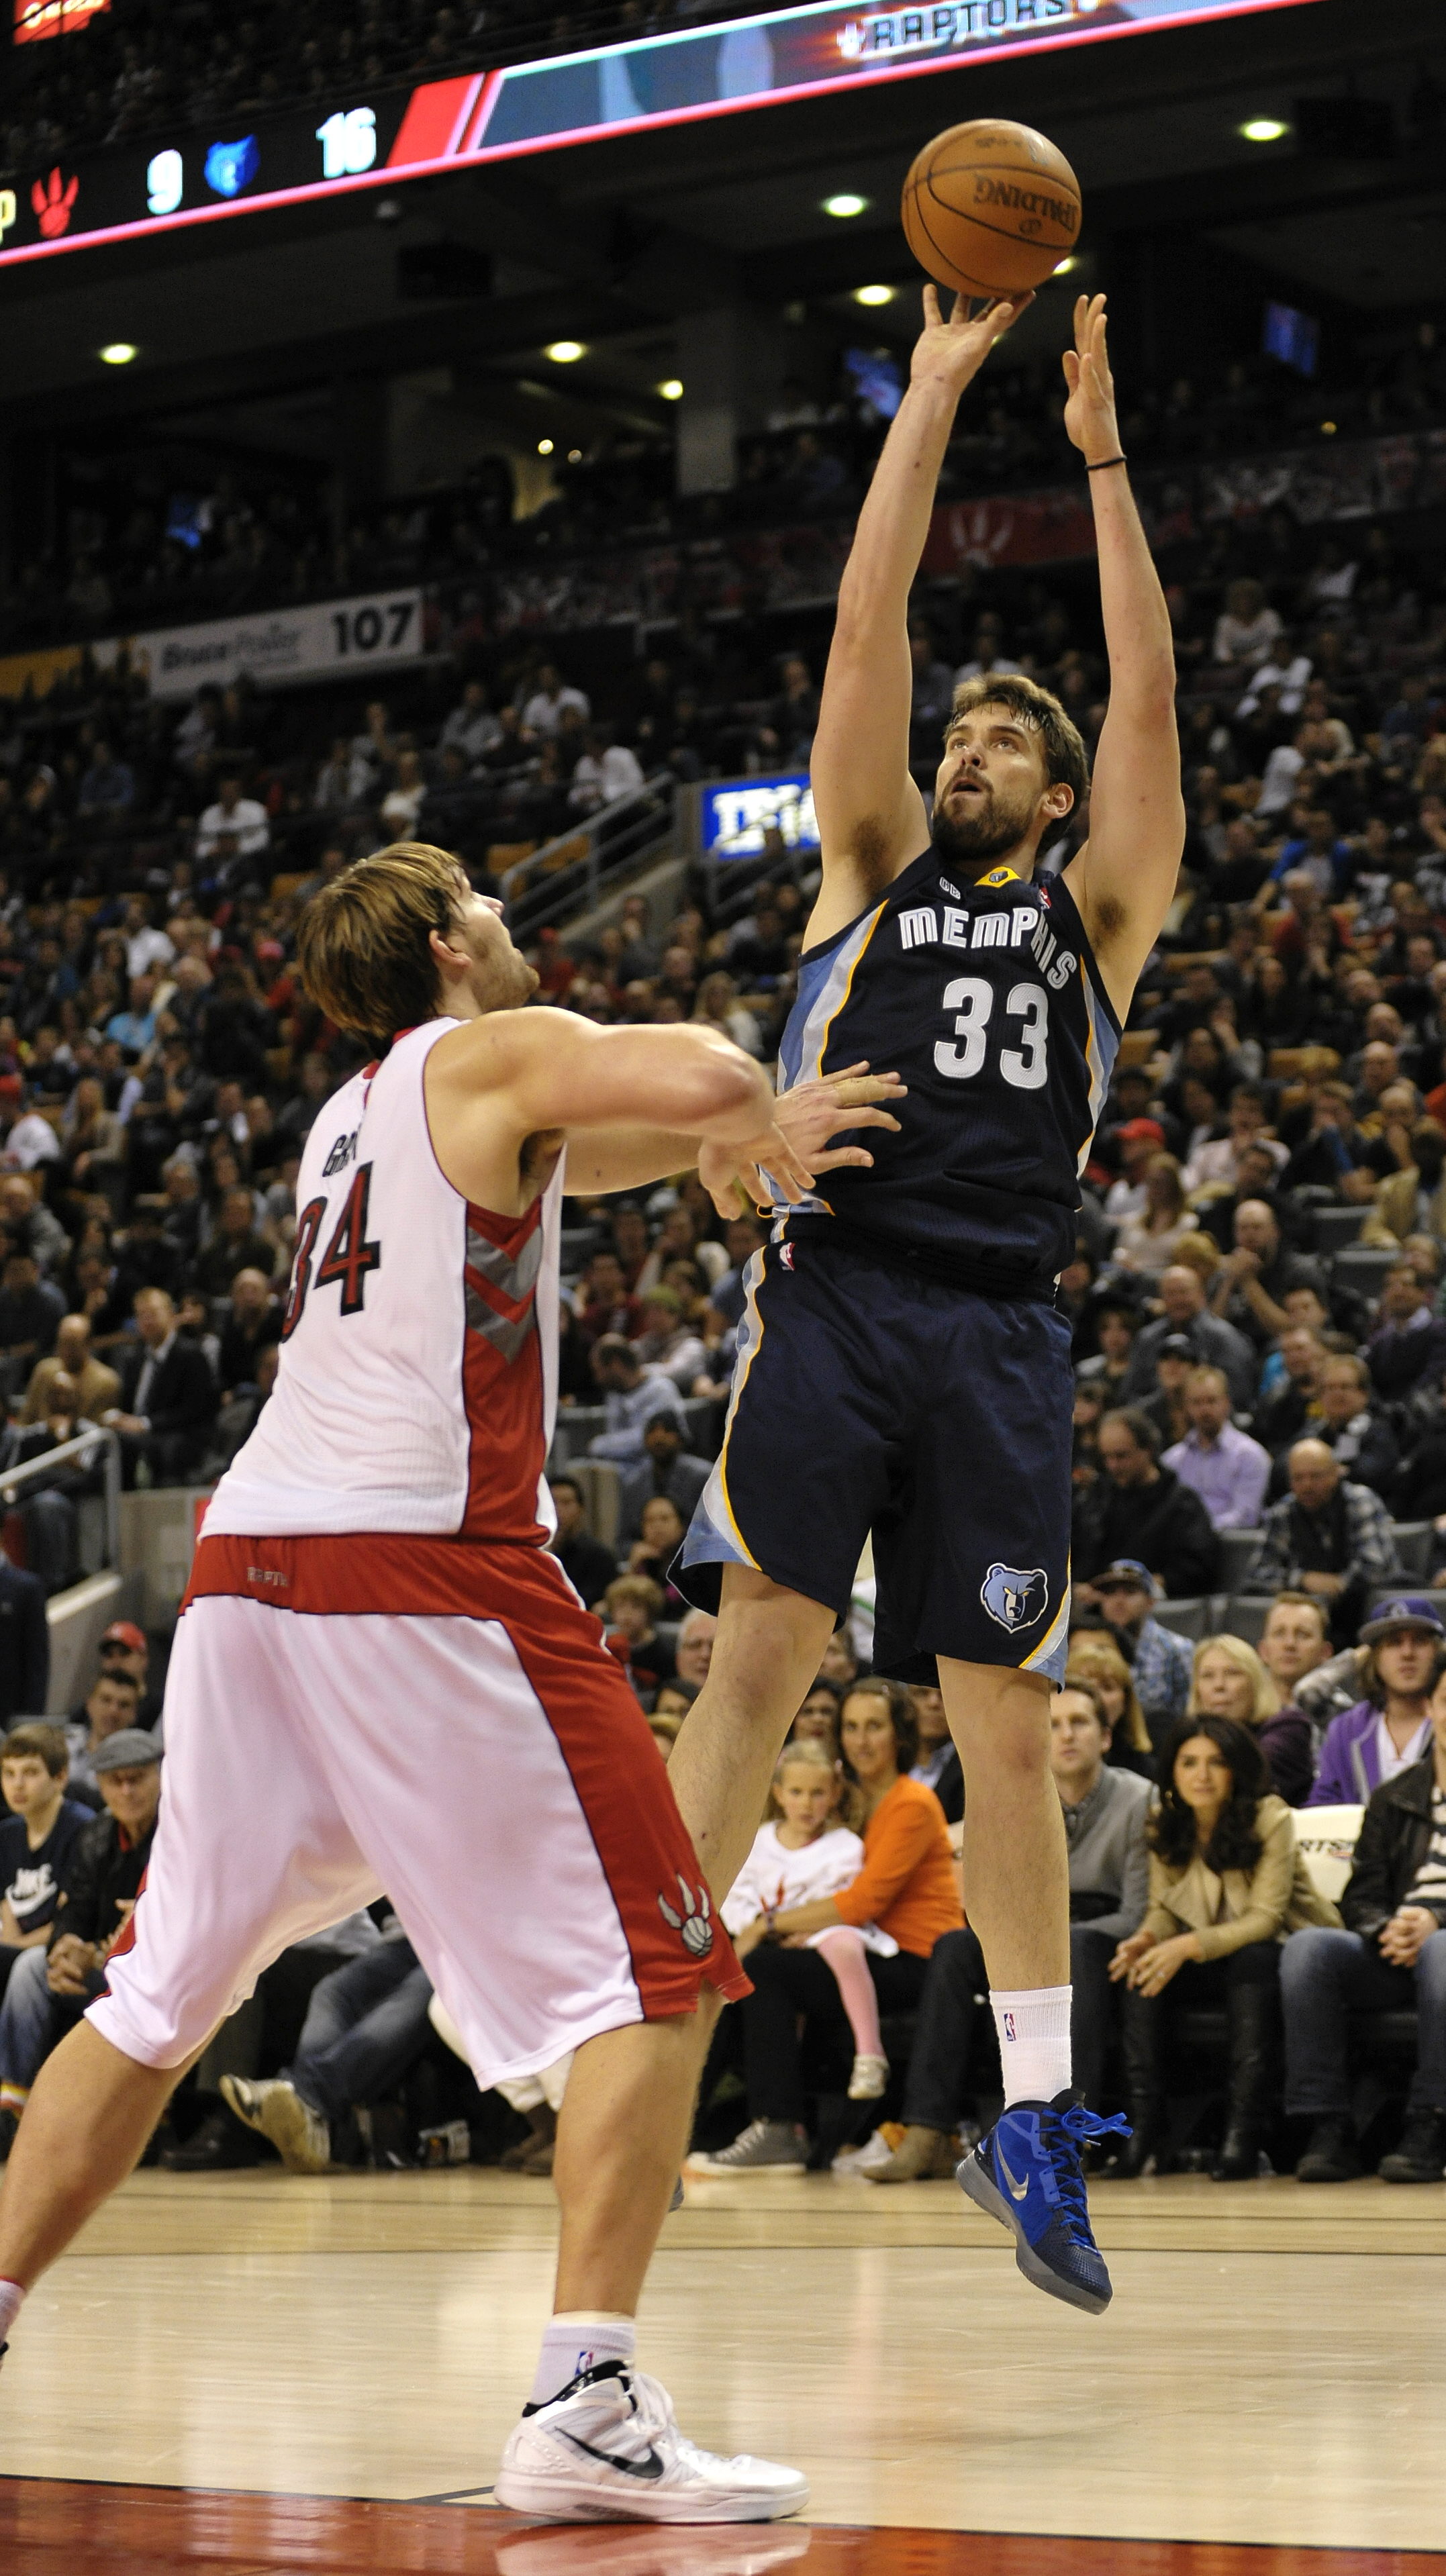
(565, 353)
(873, 295)
(544, 447)
(1264, 129)
(671, 389)
(118, 353)
(844, 205)
(1063, 266)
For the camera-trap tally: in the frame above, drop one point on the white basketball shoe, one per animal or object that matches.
(608, 2449)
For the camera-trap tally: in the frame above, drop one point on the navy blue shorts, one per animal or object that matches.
(869, 1398)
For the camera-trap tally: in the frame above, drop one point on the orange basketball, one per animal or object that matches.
(991, 208)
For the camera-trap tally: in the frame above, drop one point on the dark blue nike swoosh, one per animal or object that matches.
(651, 2467)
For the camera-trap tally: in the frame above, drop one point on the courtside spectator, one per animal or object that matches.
(1231, 1680)
(49, 1988)
(1389, 1727)
(906, 1890)
(37, 1828)
(365, 2025)
(1390, 1956)
(1226, 1885)
(1095, 1657)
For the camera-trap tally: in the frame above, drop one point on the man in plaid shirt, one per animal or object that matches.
(1329, 1538)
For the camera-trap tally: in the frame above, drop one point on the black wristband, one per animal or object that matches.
(1105, 463)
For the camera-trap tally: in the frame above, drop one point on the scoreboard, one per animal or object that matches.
(351, 142)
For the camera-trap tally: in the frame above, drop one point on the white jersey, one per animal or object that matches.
(773, 1877)
(417, 1386)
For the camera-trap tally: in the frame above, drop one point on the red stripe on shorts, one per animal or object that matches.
(601, 1731)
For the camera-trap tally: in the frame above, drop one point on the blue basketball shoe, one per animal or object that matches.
(1026, 2172)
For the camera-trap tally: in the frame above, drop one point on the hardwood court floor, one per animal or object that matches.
(1270, 2373)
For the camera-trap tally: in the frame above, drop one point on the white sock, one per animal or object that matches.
(11, 2296)
(577, 2342)
(1034, 2051)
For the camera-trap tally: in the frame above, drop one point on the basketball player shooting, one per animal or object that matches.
(903, 1368)
(381, 1681)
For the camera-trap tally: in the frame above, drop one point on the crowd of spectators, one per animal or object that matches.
(146, 536)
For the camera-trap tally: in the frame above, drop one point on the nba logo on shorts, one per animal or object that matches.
(1016, 1600)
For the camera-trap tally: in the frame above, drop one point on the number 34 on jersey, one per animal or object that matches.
(348, 1259)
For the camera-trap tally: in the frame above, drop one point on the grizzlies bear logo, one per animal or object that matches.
(1016, 1600)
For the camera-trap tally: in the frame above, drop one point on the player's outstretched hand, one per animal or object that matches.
(797, 1148)
(1089, 414)
(951, 353)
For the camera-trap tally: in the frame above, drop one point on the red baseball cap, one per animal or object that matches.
(124, 1632)
(1142, 1130)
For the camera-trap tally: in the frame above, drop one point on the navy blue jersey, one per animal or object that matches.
(987, 1001)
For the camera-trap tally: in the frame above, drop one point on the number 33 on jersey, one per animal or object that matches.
(417, 1377)
(987, 1000)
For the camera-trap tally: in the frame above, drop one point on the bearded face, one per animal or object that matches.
(977, 823)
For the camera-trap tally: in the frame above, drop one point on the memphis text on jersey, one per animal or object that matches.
(927, 926)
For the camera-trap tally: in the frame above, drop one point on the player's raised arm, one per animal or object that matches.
(516, 1075)
(1124, 877)
(871, 817)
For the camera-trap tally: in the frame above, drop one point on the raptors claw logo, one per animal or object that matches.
(53, 204)
(695, 1921)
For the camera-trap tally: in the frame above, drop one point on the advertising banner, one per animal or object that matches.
(339, 639)
(733, 818)
(345, 141)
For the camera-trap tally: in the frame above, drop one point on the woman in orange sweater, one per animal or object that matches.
(907, 1890)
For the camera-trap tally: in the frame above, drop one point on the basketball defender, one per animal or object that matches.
(903, 1369)
(381, 1680)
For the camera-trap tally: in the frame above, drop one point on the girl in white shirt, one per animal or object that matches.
(801, 1851)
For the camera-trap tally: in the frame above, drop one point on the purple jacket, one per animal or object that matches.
(1349, 1771)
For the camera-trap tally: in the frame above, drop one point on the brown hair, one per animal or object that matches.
(1094, 1657)
(38, 1741)
(901, 1714)
(1066, 761)
(362, 943)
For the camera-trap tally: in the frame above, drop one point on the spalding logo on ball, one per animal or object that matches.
(991, 208)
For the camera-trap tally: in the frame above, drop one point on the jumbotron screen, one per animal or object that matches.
(201, 177)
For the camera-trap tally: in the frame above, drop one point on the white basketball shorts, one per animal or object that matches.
(438, 1721)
